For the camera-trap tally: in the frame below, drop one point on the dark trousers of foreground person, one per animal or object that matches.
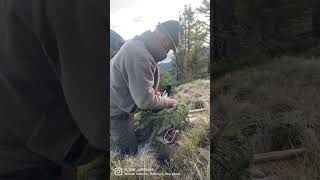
(42, 173)
(53, 75)
(122, 134)
(81, 153)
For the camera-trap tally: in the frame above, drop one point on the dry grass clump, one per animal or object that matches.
(144, 159)
(195, 94)
(191, 157)
(231, 153)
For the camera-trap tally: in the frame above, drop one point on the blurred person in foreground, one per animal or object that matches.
(53, 87)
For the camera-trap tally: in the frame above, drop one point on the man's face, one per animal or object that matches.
(168, 45)
(165, 41)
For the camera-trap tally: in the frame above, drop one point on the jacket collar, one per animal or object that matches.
(153, 46)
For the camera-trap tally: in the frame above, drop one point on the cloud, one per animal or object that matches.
(130, 19)
(114, 26)
(116, 5)
(138, 19)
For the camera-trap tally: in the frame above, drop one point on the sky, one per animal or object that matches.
(133, 17)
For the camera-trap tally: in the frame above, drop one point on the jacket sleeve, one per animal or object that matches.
(81, 37)
(141, 81)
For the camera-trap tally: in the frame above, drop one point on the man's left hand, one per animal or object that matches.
(158, 93)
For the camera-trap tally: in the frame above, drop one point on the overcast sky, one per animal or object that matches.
(133, 17)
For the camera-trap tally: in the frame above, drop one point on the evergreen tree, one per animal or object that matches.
(205, 10)
(190, 61)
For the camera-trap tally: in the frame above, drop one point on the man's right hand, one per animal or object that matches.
(172, 103)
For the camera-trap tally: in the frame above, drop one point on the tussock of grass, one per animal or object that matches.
(231, 154)
(193, 138)
(144, 159)
(194, 91)
(190, 157)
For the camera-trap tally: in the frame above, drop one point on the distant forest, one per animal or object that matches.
(247, 28)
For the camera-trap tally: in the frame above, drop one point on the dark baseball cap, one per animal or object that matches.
(172, 29)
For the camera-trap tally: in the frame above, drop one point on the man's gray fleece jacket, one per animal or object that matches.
(134, 75)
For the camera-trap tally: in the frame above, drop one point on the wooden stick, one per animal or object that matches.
(277, 155)
(196, 110)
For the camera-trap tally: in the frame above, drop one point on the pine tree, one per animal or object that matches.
(205, 10)
(189, 62)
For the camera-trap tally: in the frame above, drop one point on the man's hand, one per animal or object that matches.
(158, 93)
(172, 103)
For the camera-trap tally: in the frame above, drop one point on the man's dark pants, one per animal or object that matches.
(122, 133)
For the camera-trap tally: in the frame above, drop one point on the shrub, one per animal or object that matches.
(157, 123)
(165, 79)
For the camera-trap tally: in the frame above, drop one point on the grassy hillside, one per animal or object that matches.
(189, 155)
(274, 106)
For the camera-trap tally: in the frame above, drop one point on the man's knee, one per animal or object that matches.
(125, 147)
(122, 134)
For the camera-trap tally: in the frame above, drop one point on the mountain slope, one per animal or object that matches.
(165, 66)
(275, 106)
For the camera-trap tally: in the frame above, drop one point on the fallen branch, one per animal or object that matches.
(196, 111)
(278, 155)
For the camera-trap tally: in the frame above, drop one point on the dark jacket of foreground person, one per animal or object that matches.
(53, 82)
